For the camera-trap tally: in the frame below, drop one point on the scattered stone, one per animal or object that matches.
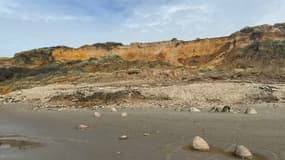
(118, 152)
(83, 127)
(227, 109)
(215, 109)
(250, 111)
(194, 110)
(123, 137)
(242, 152)
(146, 134)
(124, 114)
(200, 144)
(97, 115)
(114, 109)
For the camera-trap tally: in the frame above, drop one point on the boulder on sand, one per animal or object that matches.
(243, 152)
(200, 144)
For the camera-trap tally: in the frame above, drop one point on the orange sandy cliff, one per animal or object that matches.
(208, 51)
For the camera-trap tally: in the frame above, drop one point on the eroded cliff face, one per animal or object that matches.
(210, 52)
(200, 52)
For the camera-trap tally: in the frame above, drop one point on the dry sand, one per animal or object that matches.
(169, 131)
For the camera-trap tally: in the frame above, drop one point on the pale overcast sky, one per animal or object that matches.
(27, 24)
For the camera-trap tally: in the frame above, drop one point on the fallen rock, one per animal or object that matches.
(123, 137)
(124, 114)
(200, 144)
(250, 111)
(194, 110)
(82, 127)
(243, 152)
(97, 115)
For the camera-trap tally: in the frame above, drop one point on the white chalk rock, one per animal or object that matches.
(242, 152)
(97, 115)
(114, 109)
(194, 110)
(200, 144)
(250, 111)
(124, 114)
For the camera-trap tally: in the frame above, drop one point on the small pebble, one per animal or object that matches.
(82, 127)
(146, 134)
(114, 109)
(124, 114)
(97, 115)
(123, 137)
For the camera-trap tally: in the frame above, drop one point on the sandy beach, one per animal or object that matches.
(166, 133)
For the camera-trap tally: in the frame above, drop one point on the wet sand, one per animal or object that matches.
(169, 131)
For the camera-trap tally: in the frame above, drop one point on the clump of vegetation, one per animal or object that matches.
(107, 45)
(36, 56)
(263, 50)
(260, 28)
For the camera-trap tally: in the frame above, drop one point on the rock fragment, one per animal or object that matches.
(243, 152)
(200, 144)
(250, 111)
(194, 110)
